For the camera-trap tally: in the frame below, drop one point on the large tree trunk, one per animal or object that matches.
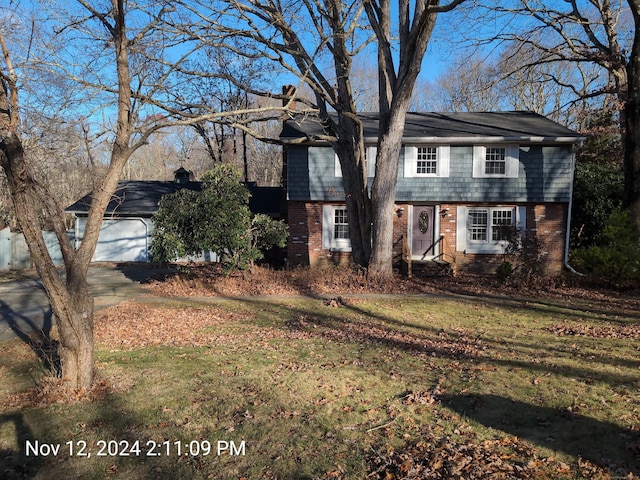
(71, 302)
(351, 153)
(632, 123)
(383, 191)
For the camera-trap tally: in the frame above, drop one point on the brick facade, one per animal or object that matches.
(545, 225)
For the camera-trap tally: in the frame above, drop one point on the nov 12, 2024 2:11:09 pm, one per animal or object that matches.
(136, 448)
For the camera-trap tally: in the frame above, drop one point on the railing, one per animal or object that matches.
(445, 254)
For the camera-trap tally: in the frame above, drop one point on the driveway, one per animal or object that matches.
(24, 307)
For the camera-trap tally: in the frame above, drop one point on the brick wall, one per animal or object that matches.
(546, 228)
(304, 244)
(546, 225)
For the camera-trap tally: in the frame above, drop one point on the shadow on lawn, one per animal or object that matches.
(15, 463)
(604, 444)
(37, 335)
(436, 342)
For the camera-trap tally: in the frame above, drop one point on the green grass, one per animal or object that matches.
(313, 389)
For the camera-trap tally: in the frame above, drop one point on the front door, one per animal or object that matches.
(422, 244)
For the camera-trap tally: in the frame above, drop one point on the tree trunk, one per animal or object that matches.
(354, 181)
(76, 340)
(71, 303)
(632, 124)
(383, 192)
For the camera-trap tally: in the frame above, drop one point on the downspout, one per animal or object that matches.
(569, 211)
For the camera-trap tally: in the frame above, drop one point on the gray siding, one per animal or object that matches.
(311, 174)
(544, 175)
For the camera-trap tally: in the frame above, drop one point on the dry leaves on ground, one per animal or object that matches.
(631, 331)
(131, 325)
(441, 457)
(209, 280)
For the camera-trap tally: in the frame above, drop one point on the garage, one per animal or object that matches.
(120, 240)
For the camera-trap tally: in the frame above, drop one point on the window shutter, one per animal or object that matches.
(327, 226)
(444, 153)
(478, 161)
(461, 229)
(371, 161)
(513, 161)
(410, 156)
(521, 219)
(337, 168)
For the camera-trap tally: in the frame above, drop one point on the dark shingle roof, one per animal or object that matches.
(135, 197)
(141, 198)
(463, 126)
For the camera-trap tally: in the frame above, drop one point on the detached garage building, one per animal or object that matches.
(126, 230)
(127, 227)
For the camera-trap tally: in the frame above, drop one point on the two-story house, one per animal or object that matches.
(463, 178)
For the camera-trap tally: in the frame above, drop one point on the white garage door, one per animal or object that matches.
(122, 240)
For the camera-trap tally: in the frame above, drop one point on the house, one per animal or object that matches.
(462, 178)
(125, 235)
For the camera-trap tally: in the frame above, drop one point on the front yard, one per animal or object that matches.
(381, 387)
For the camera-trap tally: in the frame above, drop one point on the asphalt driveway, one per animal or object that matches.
(24, 307)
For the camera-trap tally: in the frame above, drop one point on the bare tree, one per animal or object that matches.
(585, 33)
(69, 295)
(396, 82)
(318, 41)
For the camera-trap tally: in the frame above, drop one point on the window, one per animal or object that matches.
(477, 225)
(502, 225)
(340, 224)
(494, 224)
(496, 161)
(335, 228)
(487, 229)
(369, 156)
(426, 161)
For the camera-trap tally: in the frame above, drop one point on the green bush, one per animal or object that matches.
(215, 219)
(616, 255)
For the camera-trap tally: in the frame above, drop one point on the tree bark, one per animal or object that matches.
(71, 302)
(632, 123)
(395, 90)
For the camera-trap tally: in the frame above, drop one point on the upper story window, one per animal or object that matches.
(426, 161)
(496, 161)
(370, 159)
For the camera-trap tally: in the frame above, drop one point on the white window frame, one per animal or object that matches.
(370, 155)
(512, 161)
(443, 153)
(329, 242)
(464, 242)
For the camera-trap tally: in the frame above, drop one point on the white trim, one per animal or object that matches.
(410, 158)
(370, 153)
(337, 168)
(485, 140)
(370, 156)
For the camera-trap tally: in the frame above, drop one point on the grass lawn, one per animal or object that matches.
(361, 387)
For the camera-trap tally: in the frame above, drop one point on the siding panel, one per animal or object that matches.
(544, 176)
